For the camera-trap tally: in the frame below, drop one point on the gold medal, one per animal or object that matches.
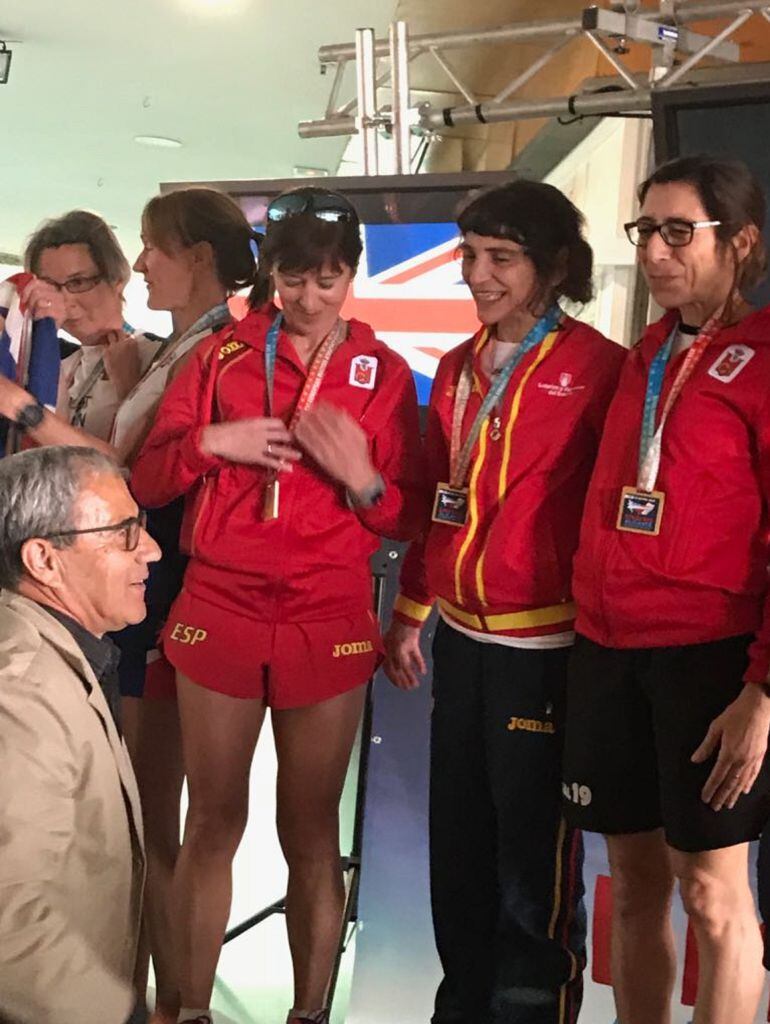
(450, 506)
(640, 511)
(272, 494)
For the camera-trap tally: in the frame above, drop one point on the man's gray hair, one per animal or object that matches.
(38, 492)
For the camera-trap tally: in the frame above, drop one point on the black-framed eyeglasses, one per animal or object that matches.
(328, 206)
(675, 231)
(76, 285)
(131, 527)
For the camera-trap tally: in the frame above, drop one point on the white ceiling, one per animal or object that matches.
(229, 78)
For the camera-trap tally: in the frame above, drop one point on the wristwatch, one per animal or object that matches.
(369, 497)
(30, 416)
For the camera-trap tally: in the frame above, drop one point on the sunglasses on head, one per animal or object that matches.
(328, 206)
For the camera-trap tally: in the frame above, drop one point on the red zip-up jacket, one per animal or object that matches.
(704, 577)
(312, 562)
(507, 571)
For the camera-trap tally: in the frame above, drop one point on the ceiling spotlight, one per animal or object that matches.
(159, 141)
(310, 172)
(5, 63)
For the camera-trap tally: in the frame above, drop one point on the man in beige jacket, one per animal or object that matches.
(73, 560)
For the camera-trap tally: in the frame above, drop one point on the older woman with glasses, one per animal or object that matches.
(79, 256)
(294, 437)
(668, 701)
(80, 275)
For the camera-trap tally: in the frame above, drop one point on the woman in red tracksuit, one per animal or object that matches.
(669, 707)
(515, 417)
(295, 437)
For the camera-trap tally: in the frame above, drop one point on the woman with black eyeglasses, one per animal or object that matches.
(80, 274)
(78, 256)
(668, 703)
(294, 437)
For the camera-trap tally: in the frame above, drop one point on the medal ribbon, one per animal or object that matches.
(651, 438)
(316, 371)
(460, 456)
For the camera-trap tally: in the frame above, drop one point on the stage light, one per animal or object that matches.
(301, 171)
(158, 141)
(5, 63)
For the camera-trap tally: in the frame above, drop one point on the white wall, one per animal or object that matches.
(600, 176)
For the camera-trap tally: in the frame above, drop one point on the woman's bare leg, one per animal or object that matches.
(313, 746)
(219, 734)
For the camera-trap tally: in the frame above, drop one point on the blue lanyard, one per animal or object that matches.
(271, 348)
(214, 317)
(652, 395)
(544, 326)
(536, 335)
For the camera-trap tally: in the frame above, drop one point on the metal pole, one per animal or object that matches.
(587, 104)
(327, 129)
(452, 75)
(686, 12)
(399, 63)
(367, 97)
(620, 102)
(531, 71)
(520, 32)
(339, 73)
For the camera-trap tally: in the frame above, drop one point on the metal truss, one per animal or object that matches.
(676, 51)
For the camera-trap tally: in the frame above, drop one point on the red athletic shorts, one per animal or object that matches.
(286, 664)
(159, 677)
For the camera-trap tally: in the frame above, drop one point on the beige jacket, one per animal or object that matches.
(71, 856)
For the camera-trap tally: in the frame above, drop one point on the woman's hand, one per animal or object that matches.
(43, 299)
(338, 444)
(121, 361)
(403, 657)
(13, 398)
(741, 734)
(260, 442)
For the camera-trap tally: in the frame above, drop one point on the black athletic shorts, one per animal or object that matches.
(634, 719)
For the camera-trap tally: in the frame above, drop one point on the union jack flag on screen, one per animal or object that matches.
(409, 289)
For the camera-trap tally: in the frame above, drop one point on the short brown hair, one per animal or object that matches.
(191, 215)
(730, 194)
(79, 227)
(306, 242)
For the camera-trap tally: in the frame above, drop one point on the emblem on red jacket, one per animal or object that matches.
(363, 372)
(564, 388)
(731, 362)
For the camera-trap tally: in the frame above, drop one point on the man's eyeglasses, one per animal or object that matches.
(328, 206)
(76, 285)
(131, 528)
(674, 232)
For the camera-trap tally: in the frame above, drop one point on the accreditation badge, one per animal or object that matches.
(640, 511)
(450, 505)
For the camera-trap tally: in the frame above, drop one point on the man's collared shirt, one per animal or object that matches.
(101, 654)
